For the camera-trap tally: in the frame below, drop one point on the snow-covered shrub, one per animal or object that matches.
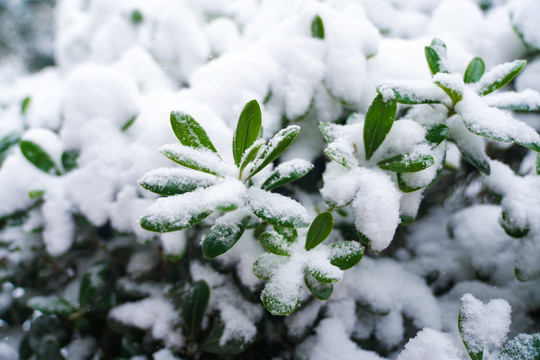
(401, 223)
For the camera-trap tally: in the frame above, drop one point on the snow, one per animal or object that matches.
(522, 16)
(416, 90)
(527, 100)
(484, 325)
(428, 342)
(276, 206)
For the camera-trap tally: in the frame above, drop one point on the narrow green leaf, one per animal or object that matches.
(275, 243)
(51, 305)
(407, 163)
(522, 347)
(379, 120)
(436, 134)
(174, 181)
(500, 76)
(433, 60)
(25, 104)
(225, 233)
(538, 164)
(346, 254)
(274, 148)
(38, 157)
(250, 153)
(317, 27)
(69, 160)
(247, 129)
(194, 306)
(320, 290)
(152, 223)
(474, 71)
(319, 230)
(6, 143)
(287, 172)
(189, 132)
(128, 124)
(92, 282)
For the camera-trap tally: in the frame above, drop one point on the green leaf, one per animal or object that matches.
(136, 17)
(287, 172)
(500, 76)
(320, 290)
(537, 164)
(247, 130)
(194, 306)
(277, 306)
(34, 194)
(317, 27)
(461, 321)
(275, 243)
(189, 132)
(455, 95)
(250, 153)
(341, 155)
(92, 282)
(225, 233)
(404, 186)
(436, 134)
(51, 351)
(510, 228)
(289, 234)
(6, 143)
(156, 224)
(25, 350)
(407, 163)
(328, 131)
(38, 157)
(128, 124)
(24, 104)
(379, 120)
(523, 346)
(474, 71)
(407, 94)
(325, 275)
(266, 264)
(346, 254)
(69, 160)
(51, 305)
(174, 181)
(274, 148)
(319, 230)
(197, 160)
(435, 55)
(212, 342)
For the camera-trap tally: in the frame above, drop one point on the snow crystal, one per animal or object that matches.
(523, 345)
(484, 326)
(428, 342)
(155, 314)
(376, 208)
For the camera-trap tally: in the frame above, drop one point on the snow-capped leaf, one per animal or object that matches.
(289, 234)
(179, 212)
(275, 243)
(511, 228)
(522, 347)
(287, 172)
(247, 129)
(274, 148)
(325, 272)
(499, 76)
(474, 71)
(51, 305)
(6, 143)
(320, 290)
(444, 81)
(436, 56)
(69, 160)
(407, 163)
(277, 209)
(379, 120)
(411, 92)
(346, 254)
(266, 265)
(319, 230)
(205, 161)
(317, 27)
(526, 100)
(437, 134)
(470, 146)
(212, 342)
(38, 157)
(190, 133)
(328, 131)
(284, 292)
(174, 181)
(341, 154)
(225, 233)
(92, 282)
